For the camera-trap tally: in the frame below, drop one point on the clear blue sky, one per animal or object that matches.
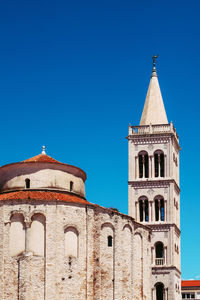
(74, 74)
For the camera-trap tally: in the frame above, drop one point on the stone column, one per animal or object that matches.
(159, 212)
(165, 166)
(153, 211)
(153, 167)
(136, 167)
(154, 293)
(143, 210)
(143, 167)
(165, 256)
(136, 211)
(165, 210)
(27, 236)
(152, 256)
(150, 211)
(159, 166)
(150, 166)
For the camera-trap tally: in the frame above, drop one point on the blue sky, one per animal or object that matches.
(74, 74)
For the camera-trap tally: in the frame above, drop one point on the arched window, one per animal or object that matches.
(110, 239)
(27, 183)
(159, 291)
(144, 209)
(71, 185)
(159, 209)
(159, 249)
(71, 242)
(37, 241)
(17, 235)
(143, 159)
(159, 164)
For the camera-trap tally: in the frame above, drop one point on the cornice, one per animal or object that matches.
(142, 139)
(164, 269)
(150, 138)
(164, 227)
(161, 183)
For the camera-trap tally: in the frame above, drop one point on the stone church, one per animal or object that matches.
(55, 245)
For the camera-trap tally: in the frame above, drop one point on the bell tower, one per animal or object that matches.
(154, 193)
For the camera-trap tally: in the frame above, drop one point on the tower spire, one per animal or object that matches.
(154, 111)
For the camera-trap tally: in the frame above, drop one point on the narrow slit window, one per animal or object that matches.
(110, 241)
(71, 186)
(27, 183)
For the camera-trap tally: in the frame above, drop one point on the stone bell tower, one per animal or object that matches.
(154, 193)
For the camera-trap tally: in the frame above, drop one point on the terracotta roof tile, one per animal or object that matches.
(42, 158)
(190, 283)
(42, 195)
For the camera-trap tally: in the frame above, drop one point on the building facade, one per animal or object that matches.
(55, 245)
(154, 193)
(190, 289)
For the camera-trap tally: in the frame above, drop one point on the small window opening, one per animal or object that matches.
(110, 240)
(27, 183)
(71, 186)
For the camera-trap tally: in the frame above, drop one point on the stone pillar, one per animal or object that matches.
(165, 210)
(150, 166)
(165, 166)
(165, 256)
(136, 210)
(159, 166)
(136, 167)
(27, 235)
(153, 211)
(143, 167)
(152, 256)
(159, 212)
(153, 167)
(150, 211)
(154, 294)
(143, 210)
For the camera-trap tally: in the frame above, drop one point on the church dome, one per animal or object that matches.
(42, 173)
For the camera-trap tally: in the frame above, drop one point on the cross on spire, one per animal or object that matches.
(154, 74)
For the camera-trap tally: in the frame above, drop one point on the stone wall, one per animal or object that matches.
(98, 268)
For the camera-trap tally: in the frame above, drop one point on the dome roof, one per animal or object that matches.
(42, 173)
(42, 158)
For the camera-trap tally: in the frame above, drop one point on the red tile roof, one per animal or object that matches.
(42, 158)
(42, 195)
(190, 283)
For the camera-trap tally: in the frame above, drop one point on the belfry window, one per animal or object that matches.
(143, 160)
(144, 210)
(160, 291)
(159, 209)
(159, 164)
(27, 183)
(159, 254)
